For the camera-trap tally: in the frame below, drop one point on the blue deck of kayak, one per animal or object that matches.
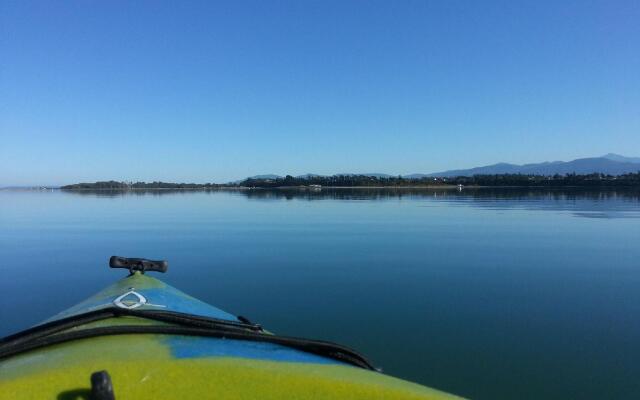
(166, 298)
(163, 297)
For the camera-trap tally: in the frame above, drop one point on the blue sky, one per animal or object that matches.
(215, 91)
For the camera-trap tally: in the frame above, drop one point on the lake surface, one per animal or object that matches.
(489, 294)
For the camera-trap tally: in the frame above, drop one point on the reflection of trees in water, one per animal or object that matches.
(341, 193)
(556, 195)
(518, 194)
(135, 192)
(582, 202)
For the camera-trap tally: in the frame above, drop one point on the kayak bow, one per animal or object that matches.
(141, 338)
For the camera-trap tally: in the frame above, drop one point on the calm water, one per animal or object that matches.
(488, 294)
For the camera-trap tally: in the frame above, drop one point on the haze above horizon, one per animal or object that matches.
(197, 91)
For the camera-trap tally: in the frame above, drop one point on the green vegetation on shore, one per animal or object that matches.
(569, 180)
(476, 180)
(115, 185)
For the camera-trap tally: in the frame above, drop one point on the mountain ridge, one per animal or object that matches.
(608, 164)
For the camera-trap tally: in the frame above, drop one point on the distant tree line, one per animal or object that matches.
(115, 185)
(518, 180)
(632, 179)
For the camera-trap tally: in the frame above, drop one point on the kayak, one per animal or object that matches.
(143, 339)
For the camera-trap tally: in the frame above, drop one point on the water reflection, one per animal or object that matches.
(384, 193)
(548, 286)
(586, 203)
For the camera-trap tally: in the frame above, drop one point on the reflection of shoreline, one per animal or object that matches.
(242, 188)
(198, 189)
(581, 202)
(417, 187)
(515, 193)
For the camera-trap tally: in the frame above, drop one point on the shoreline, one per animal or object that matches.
(427, 187)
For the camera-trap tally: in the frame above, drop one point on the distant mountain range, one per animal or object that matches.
(610, 164)
(618, 157)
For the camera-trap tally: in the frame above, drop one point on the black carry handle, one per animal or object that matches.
(138, 264)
